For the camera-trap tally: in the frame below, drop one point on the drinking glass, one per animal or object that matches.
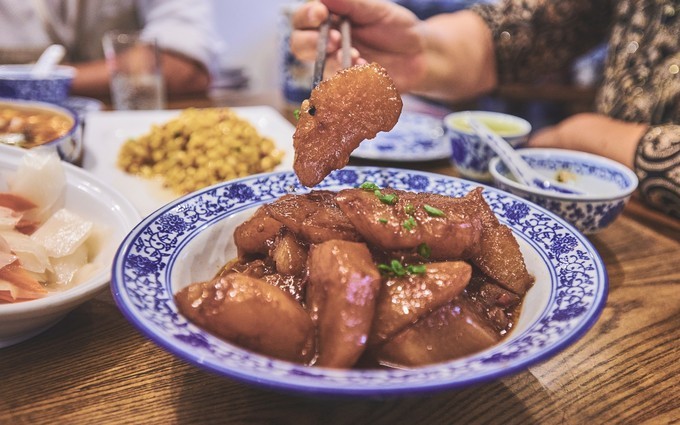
(135, 67)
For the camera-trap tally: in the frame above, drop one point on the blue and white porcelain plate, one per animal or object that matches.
(415, 137)
(189, 240)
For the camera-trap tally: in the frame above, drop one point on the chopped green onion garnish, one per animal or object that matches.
(382, 220)
(409, 209)
(434, 212)
(386, 199)
(397, 269)
(424, 250)
(384, 268)
(409, 224)
(416, 269)
(369, 186)
(297, 113)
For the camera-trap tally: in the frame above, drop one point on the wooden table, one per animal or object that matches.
(94, 367)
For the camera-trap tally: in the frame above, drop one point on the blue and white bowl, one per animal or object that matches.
(70, 145)
(16, 82)
(606, 185)
(470, 155)
(190, 239)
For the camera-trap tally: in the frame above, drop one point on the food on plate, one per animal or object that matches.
(351, 106)
(44, 247)
(30, 127)
(199, 148)
(380, 277)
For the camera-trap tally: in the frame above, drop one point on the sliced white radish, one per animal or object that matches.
(66, 267)
(62, 233)
(33, 255)
(41, 179)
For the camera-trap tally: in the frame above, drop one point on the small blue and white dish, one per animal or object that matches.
(606, 185)
(190, 239)
(16, 82)
(470, 154)
(415, 137)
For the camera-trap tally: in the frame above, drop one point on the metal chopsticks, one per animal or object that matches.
(346, 48)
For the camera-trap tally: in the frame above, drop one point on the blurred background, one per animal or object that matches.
(255, 61)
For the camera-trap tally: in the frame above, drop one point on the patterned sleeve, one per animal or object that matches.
(657, 165)
(533, 37)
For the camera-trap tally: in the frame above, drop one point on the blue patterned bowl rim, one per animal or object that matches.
(142, 289)
(594, 165)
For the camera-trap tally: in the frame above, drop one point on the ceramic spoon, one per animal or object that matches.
(523, 173)
(47, 60)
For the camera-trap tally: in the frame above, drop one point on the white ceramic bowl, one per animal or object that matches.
(89, 197)
(469, 154)
(606, 185)
(70, 145)
(190, 239)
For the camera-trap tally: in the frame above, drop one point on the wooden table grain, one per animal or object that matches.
(94, 367)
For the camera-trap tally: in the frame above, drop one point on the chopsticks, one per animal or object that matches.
(346, 48)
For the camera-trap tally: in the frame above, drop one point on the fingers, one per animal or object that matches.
(356, 57)
(303, 43)
(309, 16)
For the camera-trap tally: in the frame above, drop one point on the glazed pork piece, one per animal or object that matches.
(454, 330)
(399, 220)
(499, 256)
(341, 294)
(342, 111)
(366, 277)
(251, 313)
(257, 234)
(314, 216)
(405, 299)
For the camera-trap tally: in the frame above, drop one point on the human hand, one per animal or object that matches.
(593, 133)
(382, 32)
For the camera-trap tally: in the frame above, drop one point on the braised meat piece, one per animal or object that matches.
(342, 111)
(404, 299)
(499, 256)
(256, 235)
(452, 331)
(315, 217)
(252, 314)
(492, 301)
(342, 289)
(267, 270)
(400, 220)
(289, 255)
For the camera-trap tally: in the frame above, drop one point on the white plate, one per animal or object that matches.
(105, 133)
(190, 239)
(415, 137)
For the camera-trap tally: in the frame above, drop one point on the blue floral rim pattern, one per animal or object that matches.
(142, 289)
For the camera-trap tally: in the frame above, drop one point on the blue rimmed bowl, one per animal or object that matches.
(469, 153)
(68, 145)
(190, 239)
(606, 185)
(16, 82)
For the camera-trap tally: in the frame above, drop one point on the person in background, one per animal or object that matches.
(184, 31)
(462, 55)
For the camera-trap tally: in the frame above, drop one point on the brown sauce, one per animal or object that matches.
(37, 126)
